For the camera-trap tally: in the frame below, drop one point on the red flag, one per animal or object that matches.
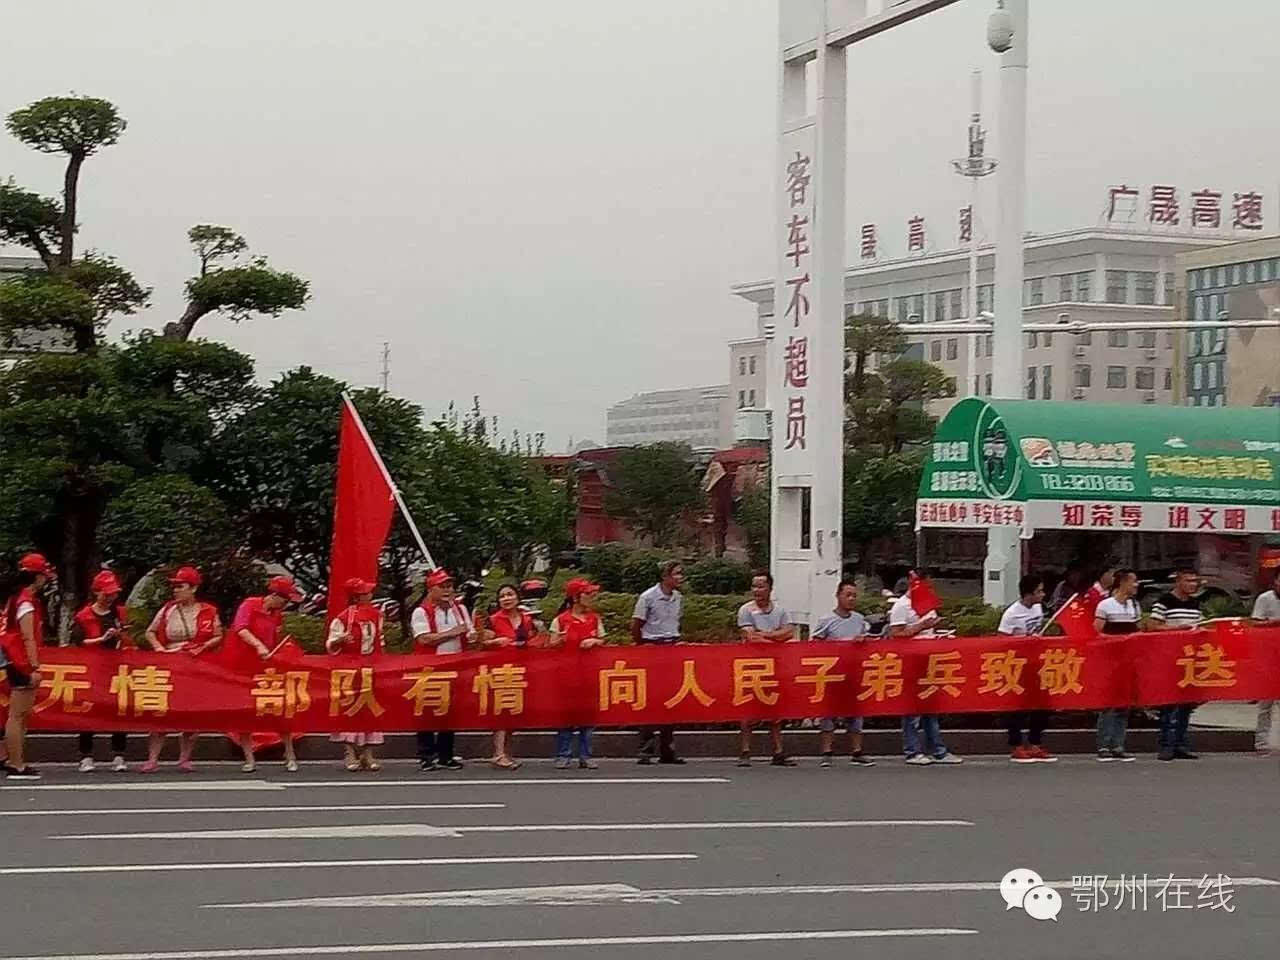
(1076, 618)
(363, 504)
(923, 598)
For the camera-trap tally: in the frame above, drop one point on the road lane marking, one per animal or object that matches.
(428, 830)
(129, 811)
(156, 785)
(605, 893)
(340, 864)
(531, 944)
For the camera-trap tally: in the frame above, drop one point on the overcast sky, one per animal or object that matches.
(545, 201)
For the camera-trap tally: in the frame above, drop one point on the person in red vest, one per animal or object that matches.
(440, 625)
(577, 627)
(256, 625)
(188, 625)
(102, 623)
(21, 634)
(508, 626)
(357, 630)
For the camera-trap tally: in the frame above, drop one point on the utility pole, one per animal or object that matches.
(386, 365)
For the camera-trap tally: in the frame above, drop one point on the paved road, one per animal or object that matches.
(705, 861)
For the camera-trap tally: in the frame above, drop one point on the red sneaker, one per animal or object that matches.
(1023, 754)
(1041, 755)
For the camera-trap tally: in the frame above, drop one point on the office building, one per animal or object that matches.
(697, 416)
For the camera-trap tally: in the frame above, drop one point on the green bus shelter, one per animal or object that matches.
(1041, 465)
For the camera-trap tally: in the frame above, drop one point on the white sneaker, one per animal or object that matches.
(291, 766)
(949, 758)
(119, 766)
(919, 760)
(86, 765)
(248, 767)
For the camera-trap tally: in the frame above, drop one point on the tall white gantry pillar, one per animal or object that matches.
(1003, 565)
(806, 355)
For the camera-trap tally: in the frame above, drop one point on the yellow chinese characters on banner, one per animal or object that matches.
(820, 677)
(942, 673)
(351, 693)
(500, 689)
(1002, 672)
(430, 690)
(1060, 671)
(64, 681)
(624, 686)
(142, 691)
(753, 681)
(689, 687)
(1206, 666)
(881, 677)
(277, 694)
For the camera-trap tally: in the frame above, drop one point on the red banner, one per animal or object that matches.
(87, 689)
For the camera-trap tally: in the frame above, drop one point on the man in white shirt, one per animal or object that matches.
(1266, 612)
(656, 619)
(440, 625)
(1024, 618)
(905, 622)
(761, 620)
(1117, 615)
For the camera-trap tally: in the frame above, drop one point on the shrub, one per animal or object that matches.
(604, 564)
(640, 569)
(718, 575)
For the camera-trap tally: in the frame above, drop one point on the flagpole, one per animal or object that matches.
(386, 475)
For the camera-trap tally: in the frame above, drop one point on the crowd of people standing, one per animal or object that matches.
(442, 624)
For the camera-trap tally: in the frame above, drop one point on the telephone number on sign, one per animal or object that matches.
(1086, 481)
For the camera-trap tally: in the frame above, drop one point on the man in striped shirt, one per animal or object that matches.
(1179, 609)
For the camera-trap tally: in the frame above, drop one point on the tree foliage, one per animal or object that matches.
(654, 490)
(70, 125)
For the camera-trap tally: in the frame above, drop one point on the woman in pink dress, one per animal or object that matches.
(357, 630)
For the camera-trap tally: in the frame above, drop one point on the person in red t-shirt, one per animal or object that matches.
(508, 626)
(21, 633)
(187, 625)
(102, 624)
(357, 630)
(257, 622)
(577, 627)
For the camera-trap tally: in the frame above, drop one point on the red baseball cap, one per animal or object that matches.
(188, 575)
(35, 563)
(579, 586)
(355, 585)
(439, 577)
(105, 582)
(284, 587)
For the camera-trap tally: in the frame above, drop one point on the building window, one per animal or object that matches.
(977, 346)
(1117, 286)
(742, 399)
(1235, 274)
(1084, 375)
(1168, 378)
(977, 385)
(1046, 383)
(1221, 277)
(902, 307)
(987, 380)
(1193, 278)
(1117, 378)
(1264, 270)
(1147, 339)
(957, 307)
(1250, 272)
(1212, 374)
(1066, 288)
(935, 350)
(1144, 378)
(1197, 376)
(1168, 289)
(1046, 339)
(939, 306)
(1168, 340)
(752, 364)
(917, 306)
(1117, 338)
(1085, 339)
(742, 366)
(990, 339)
(953, 348)
(986, 298)
(1084, 287)
(1031, 341)
(1037, 291)
(1144, 287)
(1031, 383)
(882, 308)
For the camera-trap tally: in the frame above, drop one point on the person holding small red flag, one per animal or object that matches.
(440, 625)
(577, 627)
(256, 626)
(914, 614)
(102, 623)
(508, 626)
(185, 624)
(21, 635)
(357, 630)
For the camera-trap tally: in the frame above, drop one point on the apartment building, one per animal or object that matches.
(698, 416)
(1096, 276)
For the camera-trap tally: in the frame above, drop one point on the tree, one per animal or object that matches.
(78, 127)
(238, 290)
(165, 521)
(752, 512)
(879, 500)
(654, 489)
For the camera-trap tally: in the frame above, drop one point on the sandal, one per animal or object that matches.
(353, 766)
